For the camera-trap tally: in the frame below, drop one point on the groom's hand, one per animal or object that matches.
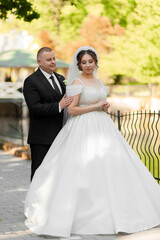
(65, 101)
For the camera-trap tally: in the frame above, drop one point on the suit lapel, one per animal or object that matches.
(43, 79)
(60, 80)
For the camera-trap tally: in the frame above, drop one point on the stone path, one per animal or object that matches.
(14, 182)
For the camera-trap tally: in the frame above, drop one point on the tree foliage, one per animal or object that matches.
(119, 10)
(94, 32)
(136, 54)
(124, 32)
(46, 40)
(22, 9)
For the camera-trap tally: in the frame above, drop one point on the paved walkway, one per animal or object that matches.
(14, 181)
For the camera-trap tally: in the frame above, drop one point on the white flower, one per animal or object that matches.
(65, 81)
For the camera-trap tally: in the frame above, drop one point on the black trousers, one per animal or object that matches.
(38, 152)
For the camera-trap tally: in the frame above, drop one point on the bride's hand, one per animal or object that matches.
(101, 103)
(105, 107)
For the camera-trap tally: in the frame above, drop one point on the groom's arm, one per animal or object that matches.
(34, 102)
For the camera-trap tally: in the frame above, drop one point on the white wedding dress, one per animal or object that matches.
(91, 181)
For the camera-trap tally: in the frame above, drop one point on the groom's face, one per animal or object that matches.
(47, 61)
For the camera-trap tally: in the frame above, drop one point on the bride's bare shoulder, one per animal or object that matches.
(77, 81)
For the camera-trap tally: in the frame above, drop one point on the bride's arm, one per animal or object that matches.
(74, 109)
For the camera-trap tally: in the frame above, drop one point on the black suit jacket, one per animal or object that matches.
(43, 103)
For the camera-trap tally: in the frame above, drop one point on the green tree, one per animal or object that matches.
(22, 9)
(57, 17)
(119, 10)
(136, 54)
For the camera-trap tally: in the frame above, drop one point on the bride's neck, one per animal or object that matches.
(87, 76)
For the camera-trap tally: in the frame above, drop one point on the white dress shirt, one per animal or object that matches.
(47, 75)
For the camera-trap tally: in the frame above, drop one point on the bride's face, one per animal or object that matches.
(87, 64)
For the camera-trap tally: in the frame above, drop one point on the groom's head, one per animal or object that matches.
(46, 59)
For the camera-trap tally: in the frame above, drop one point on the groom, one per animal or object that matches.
(44, 92)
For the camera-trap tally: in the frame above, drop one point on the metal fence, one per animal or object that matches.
(140, 129)
(142, 132)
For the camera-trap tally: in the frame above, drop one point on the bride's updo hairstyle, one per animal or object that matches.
(82, 53)
(74, 67)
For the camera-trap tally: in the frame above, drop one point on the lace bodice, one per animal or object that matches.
(89, 95)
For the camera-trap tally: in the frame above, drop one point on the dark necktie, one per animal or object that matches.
(55, 85)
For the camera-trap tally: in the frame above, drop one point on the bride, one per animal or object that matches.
(91, 181)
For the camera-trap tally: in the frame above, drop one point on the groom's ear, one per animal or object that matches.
(39, 62)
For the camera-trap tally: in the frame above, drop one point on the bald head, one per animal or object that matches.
(42, 50)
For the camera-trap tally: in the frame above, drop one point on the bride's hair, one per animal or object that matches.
(73, 71)
(82, 53)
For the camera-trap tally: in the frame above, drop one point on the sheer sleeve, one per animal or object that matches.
(105, 87)
(73, 90)
(106, 90)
